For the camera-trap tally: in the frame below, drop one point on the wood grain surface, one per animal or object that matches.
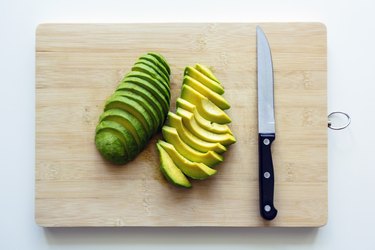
(79, 65)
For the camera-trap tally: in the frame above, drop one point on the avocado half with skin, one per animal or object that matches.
(197, 135)
(135, 111)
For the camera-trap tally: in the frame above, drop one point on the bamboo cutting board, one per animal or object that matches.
(79, 65)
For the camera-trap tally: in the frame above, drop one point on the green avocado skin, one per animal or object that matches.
(110, 147)
(119, 141)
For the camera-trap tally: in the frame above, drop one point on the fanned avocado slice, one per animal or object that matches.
(110, 146)
(206, 124)
(206, 71)
(141, 67)
(191, 124)
(163, 100)
(129, 122)
(194, 170)
(210, 158)
(146, 94)
(130, 143)
(161, 59)
(159, 65)
(175, 121)
(134, 108)
(142, 101)
(209, 83)
(214, 97)
(205, 107)
(171, 172)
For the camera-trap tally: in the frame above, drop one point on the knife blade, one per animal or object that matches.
(266, 126)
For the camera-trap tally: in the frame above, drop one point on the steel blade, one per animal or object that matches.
(266, 116)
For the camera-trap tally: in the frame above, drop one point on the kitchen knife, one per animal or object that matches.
(266, 126)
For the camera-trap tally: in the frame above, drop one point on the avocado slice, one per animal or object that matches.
(214, 97)
(209, 158)
(153, 81)
(211, 84)
(129, 122)
(170, 171)
(159, 65)
(192, 169)
(141, 67)
(110, 146)
(206, 71)
(132, 107)
(124, 135)
(156, 119)
(155, 68)
(175, 121)
(205, 107)
(151, 99)
(206, 124)
(157, 93)
(161, 59)
(189, 121)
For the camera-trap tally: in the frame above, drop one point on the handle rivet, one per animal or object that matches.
(267, 208)
(266, 141)
(267, 175)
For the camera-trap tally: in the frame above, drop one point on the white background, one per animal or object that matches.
(351, 51)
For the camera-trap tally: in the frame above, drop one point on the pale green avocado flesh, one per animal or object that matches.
(194, 148)
(170, 171)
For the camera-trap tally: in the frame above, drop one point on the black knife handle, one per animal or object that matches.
(266, 178)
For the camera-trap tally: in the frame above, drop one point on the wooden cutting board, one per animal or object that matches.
(79, 65)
